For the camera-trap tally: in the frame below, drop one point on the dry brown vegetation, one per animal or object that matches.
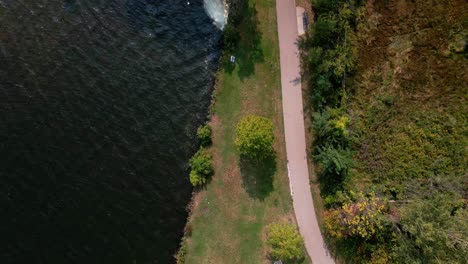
(401, 112)
(410, 87)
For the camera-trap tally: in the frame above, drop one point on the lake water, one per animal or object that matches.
(100, 100)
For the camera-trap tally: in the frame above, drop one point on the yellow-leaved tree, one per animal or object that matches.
(361, 217)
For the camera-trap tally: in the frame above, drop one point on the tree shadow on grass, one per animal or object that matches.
(257, 176)
(247, 48)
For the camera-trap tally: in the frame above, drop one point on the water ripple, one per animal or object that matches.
(99, 104)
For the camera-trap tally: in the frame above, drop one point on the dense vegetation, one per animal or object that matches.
(388, 88)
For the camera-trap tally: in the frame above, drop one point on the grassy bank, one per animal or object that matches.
(228, 220)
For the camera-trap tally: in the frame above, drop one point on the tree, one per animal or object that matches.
(255, 137)
(204, 135)
(286, 243)
(201, 167)
(435, 230)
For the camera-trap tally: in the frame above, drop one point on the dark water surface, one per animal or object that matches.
(100, 100)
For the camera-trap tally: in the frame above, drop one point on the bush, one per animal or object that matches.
(324, 31)
(231, 33)
(332, 55)
(197, 179)
(335, 165)
(202, 168)
(325, 6)
(255, 137)
(315, 57)
(331, 128)
(362, 218)
(231, 37)
(335, 160)
(286, 242)
(204, 135)
(341, 59)
(180, 257)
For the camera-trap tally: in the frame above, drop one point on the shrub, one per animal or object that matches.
(335, 160)
(197, 179)
(331, 128)
(231, 33)
(324, 31)
(340, 126)
(335, 165)
(180, 257)
(315, 57)
(231, 37)
(341, 59)
(255, 137)
(361, 218)
(325, 6)
(286, 242)
(204, 135)
(201, 168)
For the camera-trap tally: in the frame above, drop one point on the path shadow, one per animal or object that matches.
(257, 176)
(244, 32)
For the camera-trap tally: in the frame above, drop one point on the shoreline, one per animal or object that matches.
(192, 204)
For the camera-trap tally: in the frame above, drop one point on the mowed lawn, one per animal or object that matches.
(230, 215)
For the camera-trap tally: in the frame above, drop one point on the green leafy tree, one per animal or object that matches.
(255, 137)
(286, 242)
(202, 168)
(435, 230)
(204, 135)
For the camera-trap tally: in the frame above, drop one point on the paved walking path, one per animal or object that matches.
(295, 134)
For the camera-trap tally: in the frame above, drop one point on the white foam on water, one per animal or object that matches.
(216, 9)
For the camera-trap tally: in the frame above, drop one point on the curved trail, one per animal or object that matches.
(295, 134)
